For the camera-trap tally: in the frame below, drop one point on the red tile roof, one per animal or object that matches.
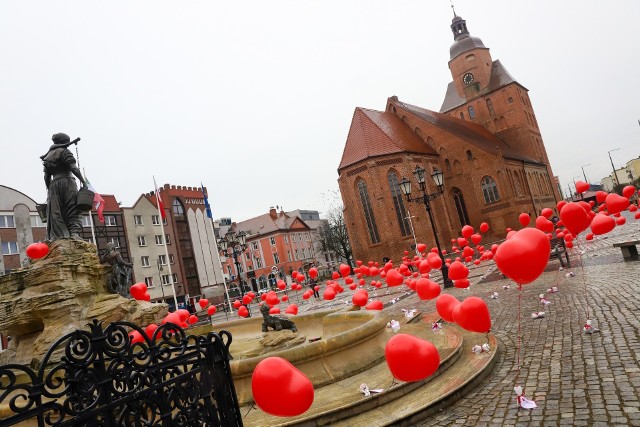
(110, 203)
(375, 133)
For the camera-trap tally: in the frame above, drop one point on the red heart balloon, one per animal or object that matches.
(150, 330)
(375, 305)
(274, 310)
(616, 203)
(243, 312)
(313, 273)
(138, 290)
(193, 319)
(476, 238)
(345, 270)
(484, 227)
(445, 305)
(472, 314)
(421, 247)
(581, 186)
(37, 250)
(546, 212)
(410, 358)
(524, 219)
(329, 294)
(602, 224)
(434, 260)
(461, 283)
(360, 298)
(525, 255)
(467, 231)
(292, 309)
(280, 389)
(211, 310)
(394, 277)
(458, 270)
(543, 224)
(203, 303)
(575, 218)
(427, 289)
(628, 191)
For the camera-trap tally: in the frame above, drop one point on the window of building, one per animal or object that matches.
(472, 112)
(167, 239)
(276, 259)
(447, 164)
(178, 209)
(490, 190)
(247, 256)
(142, 241)
(86, 221)
(6, 221)
(155, 219)
(115, 241)
(469, 155)
(510, 100)
(137, 220)
(296, 255)
(36, 221)
(149, 282)
(9, 248)
(171, 259)
(254, 246)
(162, 260)
(262, 282)
(401, 212)
(368, 212)
(144, 260)
(490, 107)
(288, 256)
(166, 279)
(158, 239)
(272, 241)
(109, 220)
(258, 262)
(461, 115)
(175, 277)
(286, 238)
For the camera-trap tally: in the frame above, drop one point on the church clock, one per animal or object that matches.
(467, 79)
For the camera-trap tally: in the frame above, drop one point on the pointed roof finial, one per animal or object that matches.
(453, 8)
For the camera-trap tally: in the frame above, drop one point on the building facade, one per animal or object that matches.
(485, 140)
(20, 226)
(192, 265)
(277, 244)
(623, 176)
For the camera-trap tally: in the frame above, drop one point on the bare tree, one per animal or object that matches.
(333, 234)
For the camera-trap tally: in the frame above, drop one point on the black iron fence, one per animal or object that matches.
(101, 379)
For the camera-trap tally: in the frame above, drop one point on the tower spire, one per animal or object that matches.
(453, 8)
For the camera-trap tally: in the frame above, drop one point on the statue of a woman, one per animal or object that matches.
(120, 276)
(63, 216)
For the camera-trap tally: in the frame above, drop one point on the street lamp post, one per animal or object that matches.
(584, 174)
(237, 244)
(160, 268)
(438, 178)
(615, 177)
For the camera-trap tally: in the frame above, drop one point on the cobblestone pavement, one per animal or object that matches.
(575, 378)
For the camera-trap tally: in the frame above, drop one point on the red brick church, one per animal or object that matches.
(485, 140)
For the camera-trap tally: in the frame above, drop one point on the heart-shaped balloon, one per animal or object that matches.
(525, 255)
(138, 290)
(410, 358)
(484, 227)
(345, 270)
(628, 191)
(543, 224)
(458, 270)
(524, 219)
(602, 224)
(37, 250)
(375, 305)
(467, 231)
(394, 277)
(575, 218)
(280, 389)
(434, 260)
(473, 315)
(445, 305)
(581, 186)
(616, 203)
(360, 298)
(211, 310)
(427, 289)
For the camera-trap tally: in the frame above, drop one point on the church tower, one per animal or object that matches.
(482, 91)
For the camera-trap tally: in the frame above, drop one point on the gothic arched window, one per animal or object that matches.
(490, 190)
(368, 212)
(472, 112)
(396, 195)
(178, 209)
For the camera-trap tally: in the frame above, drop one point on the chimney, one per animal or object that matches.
(272, 212)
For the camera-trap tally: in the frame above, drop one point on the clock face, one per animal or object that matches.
(467, 79)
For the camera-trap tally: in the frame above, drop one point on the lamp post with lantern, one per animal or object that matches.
(426, 199)
(234, 245)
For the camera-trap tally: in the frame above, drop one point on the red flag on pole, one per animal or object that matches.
(159, 201)
(98, 201)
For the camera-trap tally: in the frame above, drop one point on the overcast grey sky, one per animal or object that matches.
(255, 98)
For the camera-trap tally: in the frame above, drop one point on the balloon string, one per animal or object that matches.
(584, 281)
(519, 329)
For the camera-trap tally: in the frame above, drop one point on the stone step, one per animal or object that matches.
(468, 370)
(342, 400)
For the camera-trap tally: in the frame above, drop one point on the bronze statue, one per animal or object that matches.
(277, 323)
(63, 216)
(120, 277)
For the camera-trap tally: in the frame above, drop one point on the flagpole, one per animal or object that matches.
(93, 230)
(213, 234)
(166, 249)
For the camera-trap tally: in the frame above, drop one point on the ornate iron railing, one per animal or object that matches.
(101, 379)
